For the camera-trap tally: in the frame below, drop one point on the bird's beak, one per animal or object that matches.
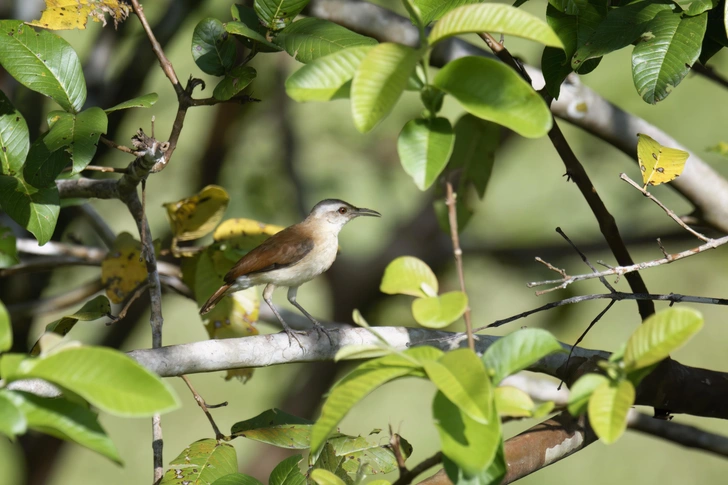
(367, 212)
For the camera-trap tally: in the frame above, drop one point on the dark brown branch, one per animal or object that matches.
(423, 466)
(87, 188)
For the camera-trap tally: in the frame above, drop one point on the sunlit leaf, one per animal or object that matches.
(660, 334)
(659, 164)
(608, 408)
(276, 428)
(369, 456)
(14, 141)
(493, 18)
(12, 419)
(325, 477)
(121, 270)
(424, 147)
(144, 101)
(439, 311)
(581, 391)
(276, 14)
(326, 78)
(287, 472)
(379, 81)
(461, 377)
(434, 9)
(43, 62)
(408, 275)
(493, 91)
(73, 14)
(6, 329)
(237, 479)
(518, 350)
(513, 402)
(361, 351)
(202, 462)
(310, 38)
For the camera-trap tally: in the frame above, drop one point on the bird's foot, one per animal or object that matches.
(292, 336)
(320, 329)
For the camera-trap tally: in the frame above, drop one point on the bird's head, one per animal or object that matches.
(337, 212)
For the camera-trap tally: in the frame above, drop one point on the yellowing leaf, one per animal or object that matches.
(195, 216)
(659, 164)
(238, 236)
(121, 270)
(73, 14)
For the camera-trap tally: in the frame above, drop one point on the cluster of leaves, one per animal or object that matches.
(607, 397)
(47, 64)
(668, 39)
(100, 377)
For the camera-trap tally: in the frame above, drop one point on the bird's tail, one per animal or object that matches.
(214, 299)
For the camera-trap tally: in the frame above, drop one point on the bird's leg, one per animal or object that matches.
(267, 295)
(292, 291)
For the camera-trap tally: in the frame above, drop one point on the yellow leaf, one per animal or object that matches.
(73, 14)
(232, 318)
(121, 270)
(659, 164)
(195, 216)
(238, 236)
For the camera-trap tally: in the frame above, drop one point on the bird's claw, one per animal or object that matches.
(291, 337)
(321, 329)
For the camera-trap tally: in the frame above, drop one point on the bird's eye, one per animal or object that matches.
(342, 210)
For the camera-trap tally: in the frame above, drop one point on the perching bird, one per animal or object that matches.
(292, 257)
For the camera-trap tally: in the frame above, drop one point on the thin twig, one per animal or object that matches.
(670, 213)
(452, 215)
(204, 406)
(421, 467)
(710, 73)
(553, 268)
(616, 296)
(112, 144)
(394, 444)
(96, 168)
(585, 259)
(56, 303)
(625, 270)
(144, 286)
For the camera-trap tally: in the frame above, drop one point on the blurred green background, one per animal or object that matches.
(277, 159)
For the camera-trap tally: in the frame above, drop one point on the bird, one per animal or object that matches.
(292, 257)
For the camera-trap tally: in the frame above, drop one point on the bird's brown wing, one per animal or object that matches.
(282, 249)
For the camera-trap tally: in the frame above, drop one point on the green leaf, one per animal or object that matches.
(493, 91)
(424, 147)
(6, 329)
(14, 141)
(44, 165)
(379, 81)
(43, 62)
(287, 472)
(34, 209)
(471, 445)
(249, 30)
(145, 101)
(360, 382)
(408, 275)
(582, 390)
(660, 334)
(518, 350)
(310, 38)
(621, 27)
(666, 55)
(92, 310)
(493, 475)
(362, 351)
(365, 456)
(212, 49)
(66, 420)
(326, 78)
(434, 9)
(78, 134)
(513, 402)
(12, 420)
(699, 6)
(276, 428)
(608, 408)
(493, 18)
(8, 248)
(461, 377)
(236, 479)
(234, 82)
(106, 378)
(202, 462)
(276, 14)
(440, 311)
(325, 477)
